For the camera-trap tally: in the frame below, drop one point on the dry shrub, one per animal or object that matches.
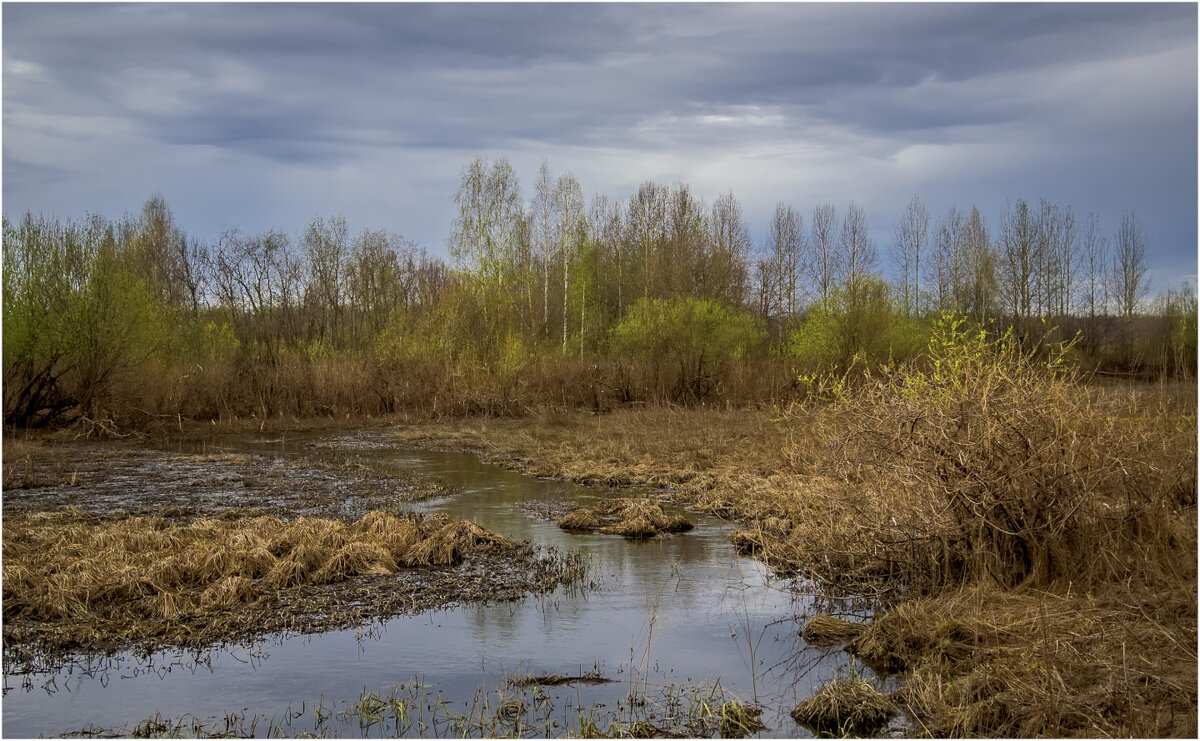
(630, 517)
(993, 464)
(846, 708)
(80, 574)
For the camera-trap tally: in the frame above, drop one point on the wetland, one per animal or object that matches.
(397, 591)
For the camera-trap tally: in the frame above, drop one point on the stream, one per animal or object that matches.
(675, 622)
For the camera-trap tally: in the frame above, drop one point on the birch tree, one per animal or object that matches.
(909, 237)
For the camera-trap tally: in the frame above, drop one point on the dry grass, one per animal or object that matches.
(981, 662)
(856, 495)
(825, 630)
(630, 517)
(845, 708)
(141, 577)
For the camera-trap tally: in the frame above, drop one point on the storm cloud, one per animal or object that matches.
(262, 116)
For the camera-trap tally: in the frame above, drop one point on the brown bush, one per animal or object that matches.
(993, 465)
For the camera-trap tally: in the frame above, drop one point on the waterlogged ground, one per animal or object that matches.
(678, 624)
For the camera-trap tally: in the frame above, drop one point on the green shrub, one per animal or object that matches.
(693, 340)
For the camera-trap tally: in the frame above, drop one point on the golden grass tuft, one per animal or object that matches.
(628, 516)
(825, 630)
(448, 545)
(845, 708)
(581, 520)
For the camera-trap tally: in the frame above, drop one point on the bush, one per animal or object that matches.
(996, 466)
(697, 339)
(857, 324)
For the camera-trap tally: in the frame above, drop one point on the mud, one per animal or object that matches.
(120, 479)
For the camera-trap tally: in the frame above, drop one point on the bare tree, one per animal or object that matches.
(569, 232)
(786, 258)
(326, 243)
(487, 231)
(542, 233)
(858, 254)
(645, 231)
(1018, 266)
(1094, 265)
(976, 290)
(909, 237)
(731, 245)
(1128, 277)
(824, 254)
(947, 260)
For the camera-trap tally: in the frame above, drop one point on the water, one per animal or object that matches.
(668, 617)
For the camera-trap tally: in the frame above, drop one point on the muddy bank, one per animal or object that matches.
(123, 478)
(140, 549)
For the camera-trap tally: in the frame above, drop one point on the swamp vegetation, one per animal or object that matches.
(998, 461)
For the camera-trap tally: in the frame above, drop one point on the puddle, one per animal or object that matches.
(671, 620)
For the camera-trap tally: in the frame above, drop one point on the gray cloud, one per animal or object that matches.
(372, 109)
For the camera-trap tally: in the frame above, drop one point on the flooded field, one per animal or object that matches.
(658, 636)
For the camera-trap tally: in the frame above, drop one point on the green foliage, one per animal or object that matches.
(698, 338)
(76, 315)
(861, 323)
(694, 331)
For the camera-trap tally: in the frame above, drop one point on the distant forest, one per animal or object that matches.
(551, 301)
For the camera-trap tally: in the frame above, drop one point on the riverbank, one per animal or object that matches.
(1113, 654)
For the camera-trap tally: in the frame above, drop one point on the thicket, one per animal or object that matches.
(548, 303)
(1046, 527)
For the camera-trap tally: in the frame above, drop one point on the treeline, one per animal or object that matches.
(554, 300)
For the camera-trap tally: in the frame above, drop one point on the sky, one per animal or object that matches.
(264, 116)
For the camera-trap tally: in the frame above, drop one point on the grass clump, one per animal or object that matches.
(739, 720)
(630, 517)
(981, 661)
(86, 580)
(825, 630)
(845, 708)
